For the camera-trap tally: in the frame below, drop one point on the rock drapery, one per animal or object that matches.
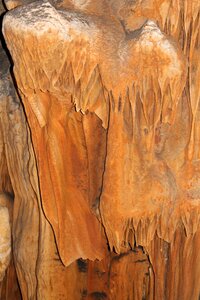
(102, 112)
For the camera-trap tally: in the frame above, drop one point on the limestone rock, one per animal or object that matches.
(111, 94)
(5, 235)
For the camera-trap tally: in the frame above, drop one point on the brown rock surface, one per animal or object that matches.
(108, 140)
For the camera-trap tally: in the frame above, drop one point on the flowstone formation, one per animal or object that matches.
(106, 97)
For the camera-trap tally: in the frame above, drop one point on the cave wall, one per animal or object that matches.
(99, 123)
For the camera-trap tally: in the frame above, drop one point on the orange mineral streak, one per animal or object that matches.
(64, 180)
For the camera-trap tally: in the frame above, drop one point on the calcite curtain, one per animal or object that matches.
(100, 149)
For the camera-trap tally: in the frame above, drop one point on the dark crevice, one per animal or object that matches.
(98, 295)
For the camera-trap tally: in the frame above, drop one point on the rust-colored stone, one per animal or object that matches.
(106, 150)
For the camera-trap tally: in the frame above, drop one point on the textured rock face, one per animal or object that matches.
(111, 93)
(5, 235)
